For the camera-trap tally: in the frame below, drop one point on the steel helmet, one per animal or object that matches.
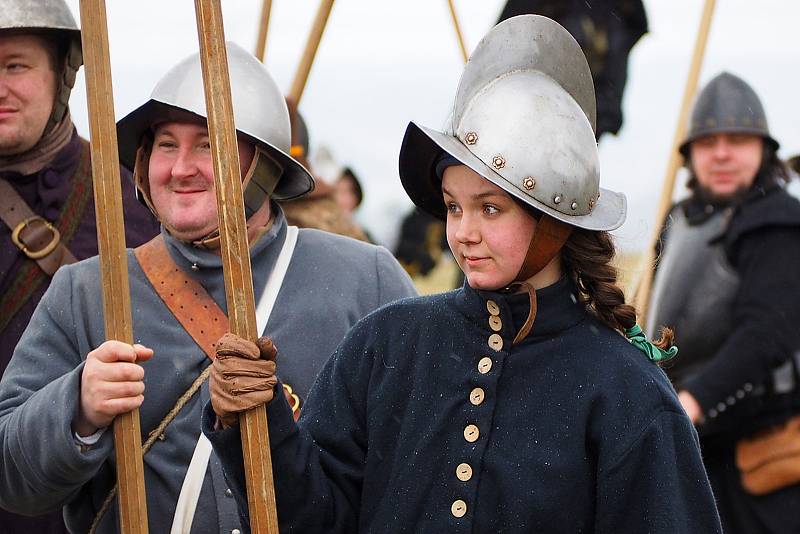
(524, 119)
(260, 113)
(48, 16)
(727, 104)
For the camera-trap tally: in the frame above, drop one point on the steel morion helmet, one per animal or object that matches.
(727, 104)
(523, 118)
(48, 17)
(260, 114)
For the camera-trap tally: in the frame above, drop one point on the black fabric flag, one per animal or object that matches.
(422, 242)
(606, 31)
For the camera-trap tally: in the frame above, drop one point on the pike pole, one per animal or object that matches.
(314, 38)
(113, 257)
(457, 27)
(642, 295)
(235, 252)
(263, 28)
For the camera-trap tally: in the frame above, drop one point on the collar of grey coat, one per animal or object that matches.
(558, 309)
(189, 257)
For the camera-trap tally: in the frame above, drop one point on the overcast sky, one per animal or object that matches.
(384, 63)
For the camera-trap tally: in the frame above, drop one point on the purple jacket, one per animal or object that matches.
(46, 192)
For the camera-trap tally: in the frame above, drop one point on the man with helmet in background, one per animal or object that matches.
(318, 209)
(47, 216)
(66, 383)
(727, 284)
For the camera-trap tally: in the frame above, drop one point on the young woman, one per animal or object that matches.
(515, 404)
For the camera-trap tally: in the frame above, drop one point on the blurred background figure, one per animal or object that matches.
(727, 284)
(793, 165)
(349, 196)
(319, 209)
(423, 252)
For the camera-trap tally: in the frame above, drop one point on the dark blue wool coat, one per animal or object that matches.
(574, 430)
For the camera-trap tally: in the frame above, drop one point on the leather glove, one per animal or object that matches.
(242, 376)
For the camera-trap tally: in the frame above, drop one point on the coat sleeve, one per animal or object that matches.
(766, 313)
(658, 484)
(318, 462)
(392, 280)
(41, 466)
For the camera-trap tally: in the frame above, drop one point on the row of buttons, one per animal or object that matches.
(730, 401)
(476, 398)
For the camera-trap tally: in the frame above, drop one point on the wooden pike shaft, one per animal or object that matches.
(263, 28)
(642, 299)
(235, 252)
(314, 38)
(113, 258)
(457, 26)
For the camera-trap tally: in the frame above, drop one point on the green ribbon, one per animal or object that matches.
(639, 340)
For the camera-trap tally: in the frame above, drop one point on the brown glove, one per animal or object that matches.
(242, 376)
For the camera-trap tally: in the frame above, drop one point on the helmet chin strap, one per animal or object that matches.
(213, 241)
(547, 241)
(259, 182)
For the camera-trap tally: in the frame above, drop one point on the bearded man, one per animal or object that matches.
(727, 284)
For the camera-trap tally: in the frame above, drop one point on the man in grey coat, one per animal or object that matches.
(66, 383)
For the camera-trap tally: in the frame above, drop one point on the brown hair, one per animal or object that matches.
(586, 258)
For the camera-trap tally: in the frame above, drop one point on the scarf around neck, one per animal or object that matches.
(49, 145)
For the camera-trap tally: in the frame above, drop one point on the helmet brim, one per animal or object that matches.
(684, 147)
(421, 148)
(296, 181)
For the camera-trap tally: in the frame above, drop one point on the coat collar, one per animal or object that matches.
(189, 257)
(559, 308)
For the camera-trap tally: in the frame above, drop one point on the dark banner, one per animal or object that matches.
(606, 31)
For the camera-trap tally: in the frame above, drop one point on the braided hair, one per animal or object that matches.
(586, 259)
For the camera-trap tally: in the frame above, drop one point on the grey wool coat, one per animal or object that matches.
(331, 283)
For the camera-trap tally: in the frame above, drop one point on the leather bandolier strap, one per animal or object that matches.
(42, 241)
(189, 302)
(202, 319)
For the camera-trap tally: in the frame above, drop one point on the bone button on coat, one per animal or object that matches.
(428, 420)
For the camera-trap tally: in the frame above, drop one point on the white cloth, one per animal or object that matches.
(91, 439)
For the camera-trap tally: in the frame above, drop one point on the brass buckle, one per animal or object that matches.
(295, 405)
(44, 251)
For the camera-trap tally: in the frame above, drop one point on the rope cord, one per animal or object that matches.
(157, 433)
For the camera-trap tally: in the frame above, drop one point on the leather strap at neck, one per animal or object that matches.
(548, 238)
(528, 324)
